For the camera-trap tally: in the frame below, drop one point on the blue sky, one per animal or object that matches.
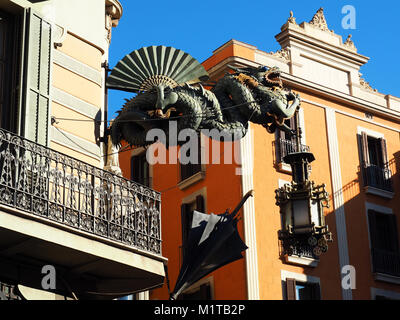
(199, 27)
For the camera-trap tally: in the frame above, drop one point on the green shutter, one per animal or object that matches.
(37, 75)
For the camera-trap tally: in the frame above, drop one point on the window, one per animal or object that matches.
(297, 290)
(190, 169)
(374, 163)
(384, 243)
(200, 293)
(25, 93)
(287, 144)
(140, 169)
(187, 216)
(37, 79)
(9, 39)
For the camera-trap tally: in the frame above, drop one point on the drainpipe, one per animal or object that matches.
(104, 139)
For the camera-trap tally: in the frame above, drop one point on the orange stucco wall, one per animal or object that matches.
(223, 190)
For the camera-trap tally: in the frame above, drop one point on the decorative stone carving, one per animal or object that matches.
(364, 84)
(59, 35)
(283, 54)
(349, 43)
(113, 14)
(319, 20)
(291, 18)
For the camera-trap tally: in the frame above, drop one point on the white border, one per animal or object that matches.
(249, 220)
(338, 199)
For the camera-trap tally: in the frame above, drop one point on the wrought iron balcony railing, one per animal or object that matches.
(54, 186)
(377, 177)
(286, 147)
(386, 262)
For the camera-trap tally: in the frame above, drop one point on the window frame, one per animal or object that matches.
(377, 180)
(198, 174)
(384, 211)
(13, 48)
(295, 121)
(141, 155)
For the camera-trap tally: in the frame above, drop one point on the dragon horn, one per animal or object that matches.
(235, 69)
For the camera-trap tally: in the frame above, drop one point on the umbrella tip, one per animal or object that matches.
(250, 193)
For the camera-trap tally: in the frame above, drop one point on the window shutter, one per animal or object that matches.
(384, 151)
(290, 289)
(185, 221)
(200, 203)
(372, 227)
(205, 293)
(364, 148)
(373, 235)
(393, 233)
(316, 292)
(37, 75)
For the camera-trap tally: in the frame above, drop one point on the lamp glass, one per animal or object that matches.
(287, 211)
(315, 212)
(301, 213)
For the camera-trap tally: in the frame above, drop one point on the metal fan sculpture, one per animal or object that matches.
(168, 84)
(150, 67)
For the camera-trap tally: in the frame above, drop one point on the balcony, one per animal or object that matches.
(285, 147)
(100, 231)
(386, 262)
(377, 180)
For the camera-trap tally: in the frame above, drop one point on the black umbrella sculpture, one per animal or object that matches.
(213, 242)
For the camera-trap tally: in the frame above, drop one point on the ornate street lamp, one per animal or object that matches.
(301, 206)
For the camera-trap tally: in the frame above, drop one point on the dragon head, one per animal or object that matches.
(269, 77)
(272, 78)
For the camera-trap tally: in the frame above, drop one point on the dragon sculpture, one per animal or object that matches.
(168, 83)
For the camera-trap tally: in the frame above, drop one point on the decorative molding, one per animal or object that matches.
(379, 192)
(192, 180)
(77, 67)
(59, 35)
(385, 293)
(249, 219)
(192, 197)
(76, 143)
(371, 133)
(299, 277)
(283, 54)
(386, 278)
(302, 261)
(284, 167)
(364, 84)
(338, 199)
(365, 105)
(113, 15)
(71, 102)
(352, 116)
(376, 207)
(319, 20)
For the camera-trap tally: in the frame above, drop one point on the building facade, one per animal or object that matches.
(353, 132)
(64, 212)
